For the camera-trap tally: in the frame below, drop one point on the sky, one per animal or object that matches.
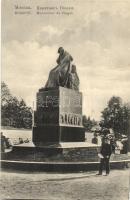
(97, 36)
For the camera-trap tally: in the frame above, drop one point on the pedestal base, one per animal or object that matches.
(56, 134)
(63, 157)
(64, 151)
(58, 117)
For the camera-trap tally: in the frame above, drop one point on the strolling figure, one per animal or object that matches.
(105, 153)
(124, 142)
(95, 139)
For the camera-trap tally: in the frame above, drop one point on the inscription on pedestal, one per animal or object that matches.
(63, 106)
(47, 99)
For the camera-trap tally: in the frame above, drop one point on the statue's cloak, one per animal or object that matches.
(58, 76)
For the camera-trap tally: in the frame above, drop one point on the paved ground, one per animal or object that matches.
(74, 186)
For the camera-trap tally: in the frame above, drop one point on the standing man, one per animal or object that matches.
(105, 153)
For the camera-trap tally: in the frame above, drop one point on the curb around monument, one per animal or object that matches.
(60, 166)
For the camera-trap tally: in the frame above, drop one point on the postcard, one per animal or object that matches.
(65, 99)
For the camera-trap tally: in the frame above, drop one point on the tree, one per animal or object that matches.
(125, 118)
(115, 116)
(25, 117)
(14, 112)
(7, 105)
(5, 94)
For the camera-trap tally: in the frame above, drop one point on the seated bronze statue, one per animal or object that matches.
(64, 74)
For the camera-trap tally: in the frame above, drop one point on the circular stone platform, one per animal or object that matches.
(63, 157)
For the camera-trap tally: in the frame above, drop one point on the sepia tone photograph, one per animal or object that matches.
(65, 100)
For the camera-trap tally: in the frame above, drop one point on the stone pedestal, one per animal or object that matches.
(58, 117)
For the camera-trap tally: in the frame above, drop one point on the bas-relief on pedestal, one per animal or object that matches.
(58, 117)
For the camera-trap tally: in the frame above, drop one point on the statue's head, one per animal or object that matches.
(73, 70)
(61, 50)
